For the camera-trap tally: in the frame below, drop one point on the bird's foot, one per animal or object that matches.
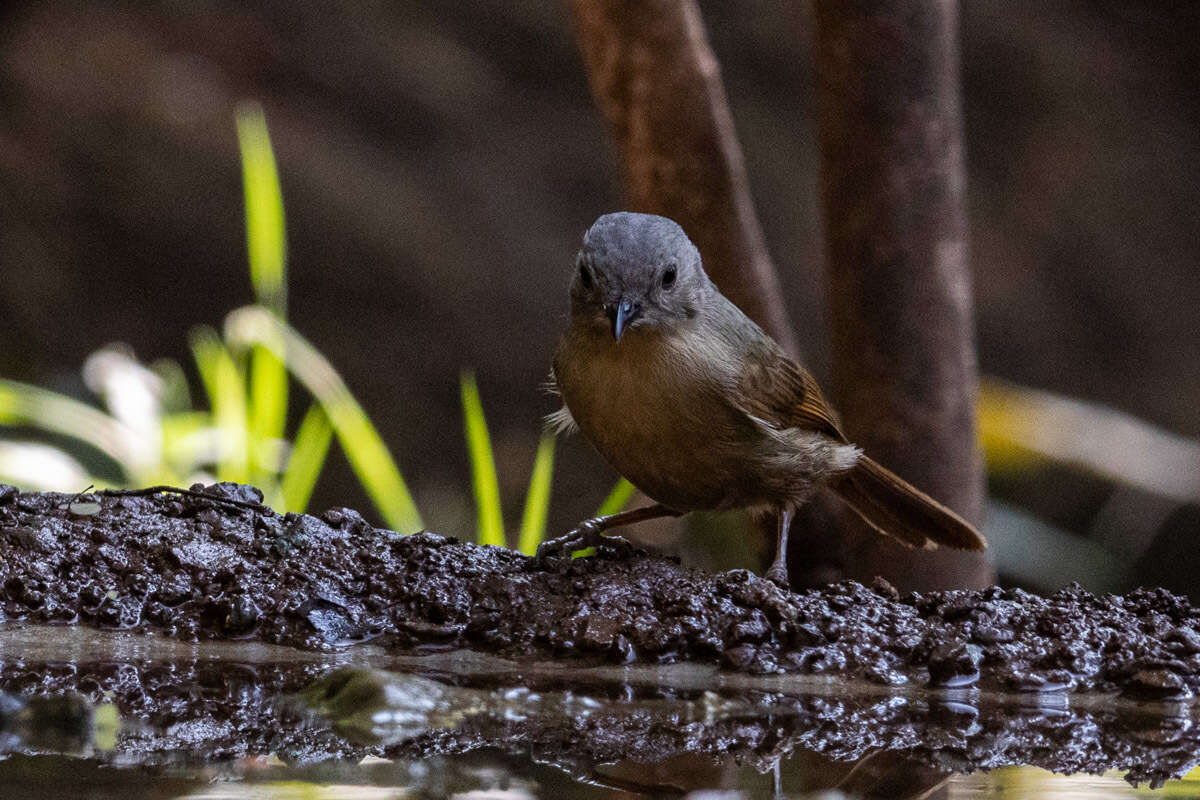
(777, 574)
(587, 534)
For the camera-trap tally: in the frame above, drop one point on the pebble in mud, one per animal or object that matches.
(200, 567)
(954, 664)
(1157, 684)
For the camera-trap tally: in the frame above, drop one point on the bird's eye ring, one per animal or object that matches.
(668, 278)
(585, 275)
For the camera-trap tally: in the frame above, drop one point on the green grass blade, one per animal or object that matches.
(537, 497)
(22, 404)
(309, 451)
(225, 384)
(36, 467)
(268, 409)
(266, 245)
(483, 465)
(617, 498)
(364, 448)
(176, 393)
(187, 438)
(265, 226)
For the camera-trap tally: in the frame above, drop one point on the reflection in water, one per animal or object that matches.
(459, 725)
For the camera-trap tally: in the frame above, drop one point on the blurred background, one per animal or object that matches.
(439, 162)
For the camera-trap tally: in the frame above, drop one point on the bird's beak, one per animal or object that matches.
(620, 314)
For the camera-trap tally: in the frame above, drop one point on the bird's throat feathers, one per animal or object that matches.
(647, 353)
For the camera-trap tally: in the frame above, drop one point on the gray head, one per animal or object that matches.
(637, 271)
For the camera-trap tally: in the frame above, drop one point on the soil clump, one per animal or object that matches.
(216, 564)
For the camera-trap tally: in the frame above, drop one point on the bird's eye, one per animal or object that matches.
(585, 276)
(668, 278)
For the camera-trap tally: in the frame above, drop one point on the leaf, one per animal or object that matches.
(225, 384)
(309, 451)
(617, 498)
(537, 497)
(176, 393)
(189, 442)
(33, 466)
(483, 465)
(368, 455)
(266, 246)
(268, 409)
(23, 404)
(265, 226)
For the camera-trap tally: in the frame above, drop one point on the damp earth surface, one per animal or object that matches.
(153, 642)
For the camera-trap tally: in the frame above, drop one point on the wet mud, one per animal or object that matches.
(215, 564)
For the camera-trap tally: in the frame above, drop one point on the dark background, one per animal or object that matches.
(440, 161)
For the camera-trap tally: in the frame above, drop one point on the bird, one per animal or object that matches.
(693, 403)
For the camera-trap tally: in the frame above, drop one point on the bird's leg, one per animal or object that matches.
(778, 572)
(590, 532)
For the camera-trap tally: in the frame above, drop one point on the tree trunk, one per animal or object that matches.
(658, 85)
(893, 184)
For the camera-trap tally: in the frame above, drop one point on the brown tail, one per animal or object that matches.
(896, 508)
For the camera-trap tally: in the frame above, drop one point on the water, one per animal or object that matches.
(123, 715)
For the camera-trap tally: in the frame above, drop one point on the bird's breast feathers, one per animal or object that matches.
(655, 413)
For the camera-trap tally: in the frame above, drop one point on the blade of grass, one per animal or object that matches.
(186, 445)
(266, 246)
(483, 465)
(32, 466)
(265, 238)
(176, 393)
(309, 451)
(268, 409)
(537, 497)
(617, 498)
(23, 404)
(225, 384)
(368, 455)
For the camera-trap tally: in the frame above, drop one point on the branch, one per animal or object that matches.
(893, 184)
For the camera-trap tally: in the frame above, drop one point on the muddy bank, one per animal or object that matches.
(223, 567)
(204, 712)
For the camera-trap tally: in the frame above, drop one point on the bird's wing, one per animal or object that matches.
(783, 394)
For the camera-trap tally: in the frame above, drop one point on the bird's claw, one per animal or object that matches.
(587, 534)
(617, 545)
(561, 546)
(777, 574)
